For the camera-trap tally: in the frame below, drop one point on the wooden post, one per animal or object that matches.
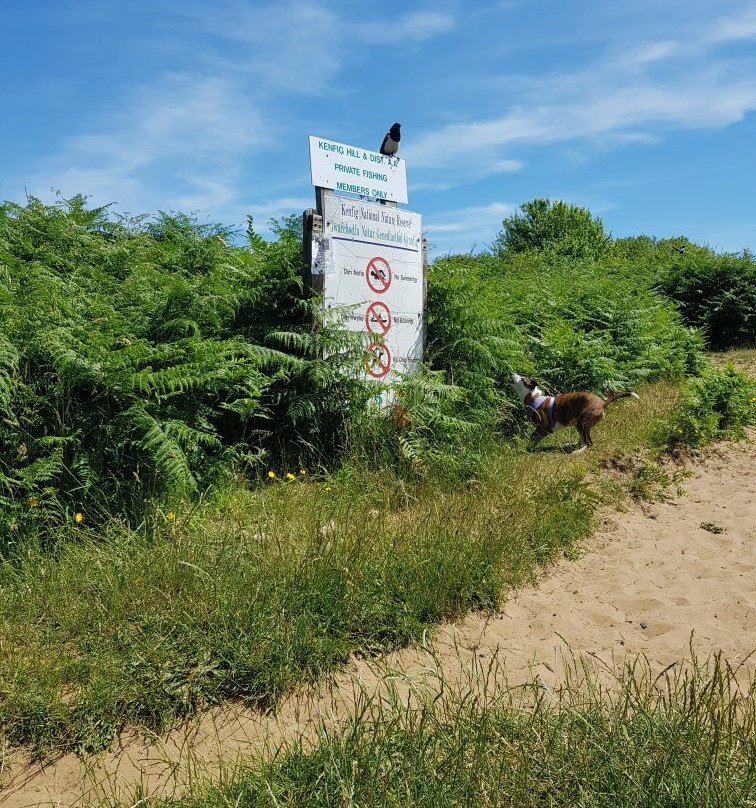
(320, 195)
(308, 226)
(313, 227)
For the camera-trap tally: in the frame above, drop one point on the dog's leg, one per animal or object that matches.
(535, 439)
(584, 431)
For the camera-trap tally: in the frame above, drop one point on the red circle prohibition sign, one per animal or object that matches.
(378, 274)
(378, 360)
(378, 318)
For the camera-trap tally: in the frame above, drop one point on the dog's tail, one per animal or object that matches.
(611, 397)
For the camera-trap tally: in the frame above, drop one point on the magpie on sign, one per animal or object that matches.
(390, 145)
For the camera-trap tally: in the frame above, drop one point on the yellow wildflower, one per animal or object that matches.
(170, 516)
(272, 475)
(289, 476)
(328, 488)
(79, 517)
(33, 502)
(302, 472)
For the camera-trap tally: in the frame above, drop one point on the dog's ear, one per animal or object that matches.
(528, 382)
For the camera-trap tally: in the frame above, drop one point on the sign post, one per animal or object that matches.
(367, 258)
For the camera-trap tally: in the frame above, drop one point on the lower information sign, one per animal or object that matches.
(371, 257)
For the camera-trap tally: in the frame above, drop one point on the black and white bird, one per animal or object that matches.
(390, 145)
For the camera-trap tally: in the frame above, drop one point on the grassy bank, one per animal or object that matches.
(687, 738)
(261, 591)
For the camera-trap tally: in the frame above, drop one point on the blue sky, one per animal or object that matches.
(643, 112)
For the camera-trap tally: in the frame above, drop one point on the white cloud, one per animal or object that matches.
(263, 212)
(476, 224)
(464, 172)
(650, 52)
(195, 130)
(635, 91)
(290, 45)
(733, 28)
(416, 26)
(304, 46)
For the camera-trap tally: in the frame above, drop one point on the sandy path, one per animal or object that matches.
(648, 579)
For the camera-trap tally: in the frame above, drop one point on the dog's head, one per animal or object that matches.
(524, 386)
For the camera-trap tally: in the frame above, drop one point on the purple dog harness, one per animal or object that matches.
(536, 403)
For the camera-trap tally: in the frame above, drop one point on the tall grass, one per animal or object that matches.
(685, 738)
(269, 591)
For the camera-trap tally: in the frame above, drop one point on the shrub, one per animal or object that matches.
(715, 405)
(716, 293)
(555, 228)
(571, 324)
(143, 361)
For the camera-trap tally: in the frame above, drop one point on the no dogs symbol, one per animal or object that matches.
(378, 318)
(378, 275)
(378, 360)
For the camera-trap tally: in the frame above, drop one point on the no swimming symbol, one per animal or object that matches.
(378, 275)
(378, 318)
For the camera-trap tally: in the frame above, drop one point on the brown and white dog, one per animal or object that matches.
(549, 413)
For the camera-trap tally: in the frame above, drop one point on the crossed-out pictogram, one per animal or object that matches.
(378, 360)
(378, 318)
(378, 275)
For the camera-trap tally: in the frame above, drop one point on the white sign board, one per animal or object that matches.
(371, 257)
(348, 169)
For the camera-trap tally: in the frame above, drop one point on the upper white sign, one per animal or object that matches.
(357, 171)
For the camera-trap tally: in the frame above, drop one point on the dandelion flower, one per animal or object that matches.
(79, 517)
(170, 516)
(303, 472)
(272, 475)
(33, 502)
(289, 476)
(328, 488)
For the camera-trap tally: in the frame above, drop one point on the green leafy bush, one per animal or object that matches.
(141, 362)
(555, 228)
(715, 405)
(434, 429)
(716, 293)
(571, 324)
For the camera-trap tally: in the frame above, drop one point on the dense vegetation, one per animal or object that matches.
(714, 292)
(198, 499)
(142, 362)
